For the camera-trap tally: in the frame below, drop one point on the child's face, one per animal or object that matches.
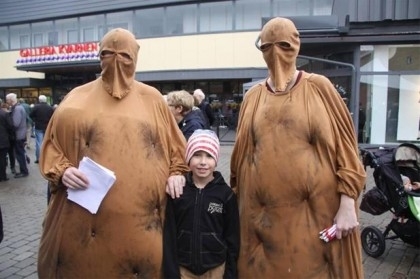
(202, 164)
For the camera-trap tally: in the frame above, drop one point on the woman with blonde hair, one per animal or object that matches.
(188, 117)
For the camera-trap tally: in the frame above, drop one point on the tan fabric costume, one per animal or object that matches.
(127, 127)
(294, 154)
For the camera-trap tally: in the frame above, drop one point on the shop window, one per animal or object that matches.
(89, 25)
(52, 38)
(72, 36)
(181, 19)
(148, 23)
(249, 13)
(63, 26)
(13, 90)
(123, 25)
(19, 36)
(216, 16)
(24, 41)
(4, 38)
(302, 7)
(40, 31)
(119, 20)
(30, 95)
(37, 40)
(392, 105)
(88, 35)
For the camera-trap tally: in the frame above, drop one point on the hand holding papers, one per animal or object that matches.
(100, 181)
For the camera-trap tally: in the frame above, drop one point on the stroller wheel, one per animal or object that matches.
(373, 241)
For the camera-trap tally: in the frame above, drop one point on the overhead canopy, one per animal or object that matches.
(63, 67)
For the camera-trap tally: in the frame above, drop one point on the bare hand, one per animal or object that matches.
(74, 179)
(175, 185)
(346, 218)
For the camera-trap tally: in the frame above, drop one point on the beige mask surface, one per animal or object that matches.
(118, 54)
(280, 46)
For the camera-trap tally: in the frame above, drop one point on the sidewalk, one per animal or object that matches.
(23, 202)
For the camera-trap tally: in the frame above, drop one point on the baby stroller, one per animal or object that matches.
(389, 194)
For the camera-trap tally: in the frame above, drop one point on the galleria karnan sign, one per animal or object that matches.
(60, 53)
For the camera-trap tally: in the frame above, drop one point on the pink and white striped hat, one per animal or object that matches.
(203, 140)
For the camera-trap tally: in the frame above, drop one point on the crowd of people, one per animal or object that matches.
(169, 214)
(19, 122)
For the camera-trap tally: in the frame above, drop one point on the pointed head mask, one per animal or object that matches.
(280, 46)
(118, 54)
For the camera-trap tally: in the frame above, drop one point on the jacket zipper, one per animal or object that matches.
(196, 228)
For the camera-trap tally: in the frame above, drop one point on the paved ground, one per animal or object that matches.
(23, 202)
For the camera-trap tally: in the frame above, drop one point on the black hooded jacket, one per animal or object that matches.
(191, 122)
(201, 229)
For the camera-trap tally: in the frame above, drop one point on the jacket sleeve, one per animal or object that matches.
(53, 162)
(170, 256)
(232, 237)
(243, 150)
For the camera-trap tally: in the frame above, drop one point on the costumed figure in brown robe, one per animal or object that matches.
(125, 126)
(296, 170)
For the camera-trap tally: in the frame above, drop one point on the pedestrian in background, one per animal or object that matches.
(12, 139)
(40, 115)
(18, 114)
(201, 232)
(200, 102)
(1, 226)
(125, 126)
(181, 104)
(6, 130)
(29, 122)
(296, 170)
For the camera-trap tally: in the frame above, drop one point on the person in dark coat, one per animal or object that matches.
(181, 104)
(1, 226)
(6, 129)
(199, 98)
(12, 140)
(40, 115)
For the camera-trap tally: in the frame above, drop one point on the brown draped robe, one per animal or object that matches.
(137, 138)
(294, 155)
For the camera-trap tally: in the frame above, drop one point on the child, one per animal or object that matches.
(201, 232)
(408, 186)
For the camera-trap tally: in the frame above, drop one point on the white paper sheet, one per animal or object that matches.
(101, 180)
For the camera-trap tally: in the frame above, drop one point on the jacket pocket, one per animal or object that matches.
(213, 249)
(185, 248)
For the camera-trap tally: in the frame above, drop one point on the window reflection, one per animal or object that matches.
(148, 23)
(88, 25)
(119, 20)
(19, 36)
(4, 40)
(392, 108)
(66, 28)
(40, 31)
(248, 14)
(161, 21)
(181, 19)
(215, 16)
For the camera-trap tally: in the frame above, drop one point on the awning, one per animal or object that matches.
(62, 67)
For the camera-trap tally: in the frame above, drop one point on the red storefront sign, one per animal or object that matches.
(60, 49)
(60, 53)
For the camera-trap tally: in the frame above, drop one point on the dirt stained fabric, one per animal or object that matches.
(295, 153)
(126, 126)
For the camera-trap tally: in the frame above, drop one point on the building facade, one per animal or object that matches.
(370, 50)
